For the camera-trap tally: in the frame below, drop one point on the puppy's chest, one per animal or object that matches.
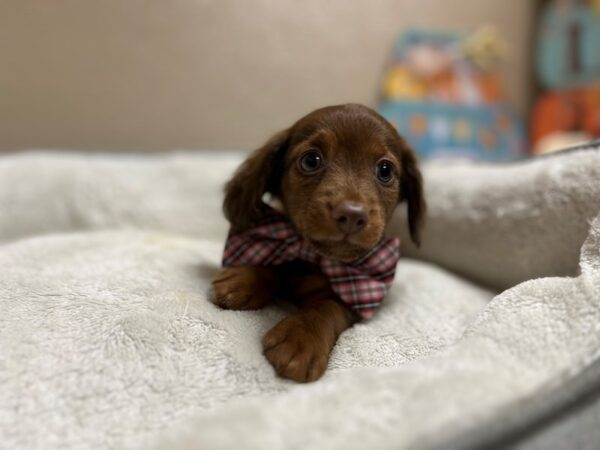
(300, 281)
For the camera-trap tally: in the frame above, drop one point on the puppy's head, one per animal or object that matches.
(340, 171)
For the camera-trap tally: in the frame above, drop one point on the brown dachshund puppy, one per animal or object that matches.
(339, 172)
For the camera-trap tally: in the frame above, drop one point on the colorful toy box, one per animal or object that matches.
(441, 92)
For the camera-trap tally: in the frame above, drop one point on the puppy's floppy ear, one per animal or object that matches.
(260, 173)
(411, 191)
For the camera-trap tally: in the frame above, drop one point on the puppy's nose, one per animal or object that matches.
(350, 217)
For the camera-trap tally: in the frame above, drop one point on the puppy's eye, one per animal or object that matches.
(311, 161)
(385, 172)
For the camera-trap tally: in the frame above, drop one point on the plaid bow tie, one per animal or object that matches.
(361, 284)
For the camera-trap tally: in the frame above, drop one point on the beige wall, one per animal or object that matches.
(154, 74)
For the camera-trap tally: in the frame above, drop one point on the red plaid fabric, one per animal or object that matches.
(361, 284)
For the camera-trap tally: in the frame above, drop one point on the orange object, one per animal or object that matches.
(573, 110)
(490, 87)
(418, 125)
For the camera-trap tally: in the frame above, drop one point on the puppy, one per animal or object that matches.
(338, 173)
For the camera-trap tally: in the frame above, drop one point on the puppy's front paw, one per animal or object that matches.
(296, 350)
(243, 288)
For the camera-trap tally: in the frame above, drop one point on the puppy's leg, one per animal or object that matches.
(298, 347)
(244, 287)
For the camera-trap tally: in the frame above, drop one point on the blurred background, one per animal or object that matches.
(484, 79)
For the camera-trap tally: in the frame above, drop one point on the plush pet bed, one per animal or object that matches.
(490, 335)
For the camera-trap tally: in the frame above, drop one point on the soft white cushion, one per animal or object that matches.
(503, 224)
(107, 338)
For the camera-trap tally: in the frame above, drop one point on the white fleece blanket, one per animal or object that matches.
(107, 339)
